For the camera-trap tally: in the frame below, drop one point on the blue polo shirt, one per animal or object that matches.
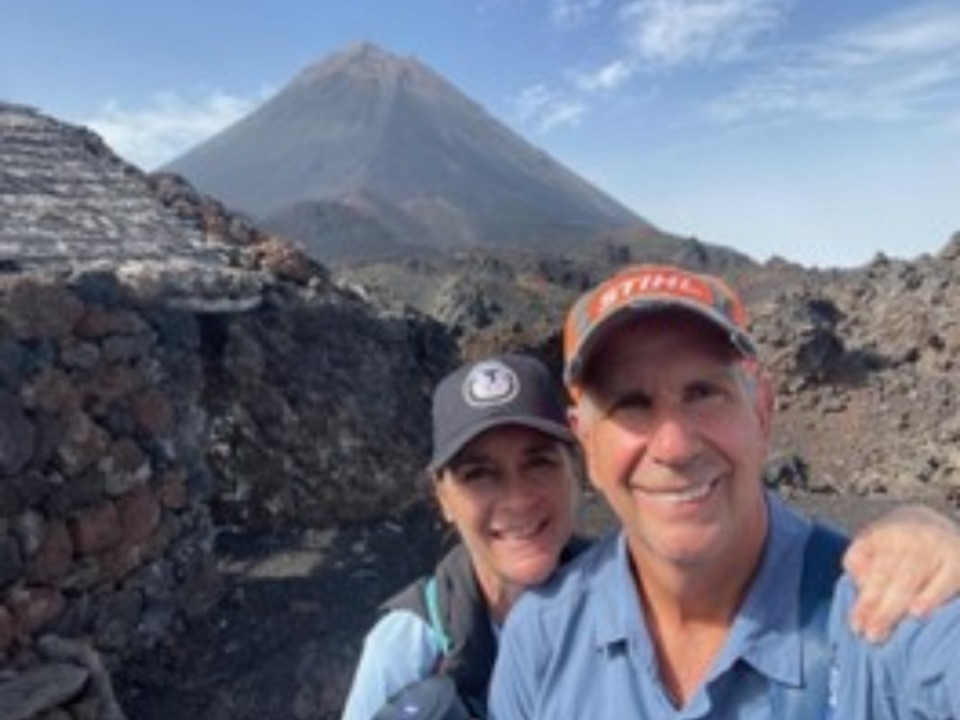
(578, 647)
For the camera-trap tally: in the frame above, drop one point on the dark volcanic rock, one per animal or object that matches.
(866, 365)
(320, 409)
(169, 370)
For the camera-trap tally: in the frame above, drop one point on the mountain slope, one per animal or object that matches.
(372, 131)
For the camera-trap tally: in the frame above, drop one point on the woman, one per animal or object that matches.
(504, 471)
(504, 474)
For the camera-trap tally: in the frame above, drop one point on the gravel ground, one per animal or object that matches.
(283, 642)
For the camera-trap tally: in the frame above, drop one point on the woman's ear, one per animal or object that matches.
(575, 423)
(440, 491)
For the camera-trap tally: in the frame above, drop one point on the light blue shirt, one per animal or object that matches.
(915, 674)
(398, 650)
(578, 647)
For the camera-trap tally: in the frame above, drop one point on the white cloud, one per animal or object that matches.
(562, 114)
(903, 65)
(609, 77)
(923, 30)
(674, 32)
(171, 124)
(547, 110)
(570, 13)
(654, 35)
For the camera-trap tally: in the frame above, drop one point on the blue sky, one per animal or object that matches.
(821, 131)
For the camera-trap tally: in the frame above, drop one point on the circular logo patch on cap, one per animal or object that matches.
(490, 383)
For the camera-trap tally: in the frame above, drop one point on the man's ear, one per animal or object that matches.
(765, 401)
(578, 420)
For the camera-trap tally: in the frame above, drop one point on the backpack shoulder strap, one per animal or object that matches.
(822, 567)
(422, 597)
(431, 599)
(450, 602)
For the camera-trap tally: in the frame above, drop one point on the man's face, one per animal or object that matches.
(675, 430)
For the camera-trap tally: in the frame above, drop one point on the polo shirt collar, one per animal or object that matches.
(766, 632)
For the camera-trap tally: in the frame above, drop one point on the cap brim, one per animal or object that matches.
(740, 341)
(454, 446)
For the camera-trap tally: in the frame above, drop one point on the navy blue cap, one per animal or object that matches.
(508, 389)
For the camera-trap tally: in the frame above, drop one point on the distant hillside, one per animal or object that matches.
(511, 297)
(415, 161)
(336, 231)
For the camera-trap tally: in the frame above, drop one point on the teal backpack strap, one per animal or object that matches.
(431, 597)
(822, 567)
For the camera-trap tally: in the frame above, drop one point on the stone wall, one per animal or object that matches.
(166, 368)
(136, 421)
(319, 408)
(105, 531)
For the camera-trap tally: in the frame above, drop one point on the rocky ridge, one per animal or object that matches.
(866, 363)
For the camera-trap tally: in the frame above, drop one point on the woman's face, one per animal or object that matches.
(512, 494)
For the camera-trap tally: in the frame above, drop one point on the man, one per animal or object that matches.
(698, 607)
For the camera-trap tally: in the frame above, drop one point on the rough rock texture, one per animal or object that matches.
(319, 409)
(66, 198)
(105, 529)
(167, 370)
(866, 363)
(318, 403)
(864, 360)
(494, 298)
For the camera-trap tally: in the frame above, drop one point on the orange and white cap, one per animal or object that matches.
(642, 289)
